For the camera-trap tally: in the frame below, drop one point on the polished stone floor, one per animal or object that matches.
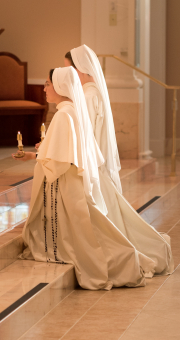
(21, 276)
(12, 171)
(144, 313)
(156, 184)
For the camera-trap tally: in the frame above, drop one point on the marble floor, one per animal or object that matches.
(21, 276)
(14, 205)
(156, 184)
(144, 313)
(12, 171)
(150, 313)
(14, 200)
(136, 314)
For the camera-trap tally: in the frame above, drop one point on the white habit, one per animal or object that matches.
(143, 236)
(103, 257)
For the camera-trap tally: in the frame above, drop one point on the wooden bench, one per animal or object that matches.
(22, 107)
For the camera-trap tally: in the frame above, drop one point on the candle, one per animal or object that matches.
(43, 129)
(20, 146)
(19, 139)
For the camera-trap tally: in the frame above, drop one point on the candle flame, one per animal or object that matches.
(19, 132)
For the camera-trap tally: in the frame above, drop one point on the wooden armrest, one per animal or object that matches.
(20, 105)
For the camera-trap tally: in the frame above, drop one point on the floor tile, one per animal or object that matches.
(160, 317)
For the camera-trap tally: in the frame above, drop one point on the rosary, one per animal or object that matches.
(45, 219)
(54, 233)
(54, 216)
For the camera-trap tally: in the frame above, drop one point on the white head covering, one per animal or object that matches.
(87, 62)
(66, 83)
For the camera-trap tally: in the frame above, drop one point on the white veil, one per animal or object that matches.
(87, 62)
(66, 83)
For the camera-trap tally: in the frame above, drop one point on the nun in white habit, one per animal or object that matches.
(65, 225)
(143, 236)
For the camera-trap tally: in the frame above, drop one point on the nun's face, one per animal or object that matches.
(51, 95)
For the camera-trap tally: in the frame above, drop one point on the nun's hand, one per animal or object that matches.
(37, 146)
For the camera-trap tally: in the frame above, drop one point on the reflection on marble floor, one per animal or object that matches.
(11, 216)
(12, 171)
(21, 276)
(14, 205)
(14, 201)
(61, 282)
(157, 184)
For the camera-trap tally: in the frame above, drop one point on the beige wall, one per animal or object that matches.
(172, 65)
(40, 32)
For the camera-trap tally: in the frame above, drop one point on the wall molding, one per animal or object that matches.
(36, 81)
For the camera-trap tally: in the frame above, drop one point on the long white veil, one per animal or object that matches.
(66, 83)
(87, 62)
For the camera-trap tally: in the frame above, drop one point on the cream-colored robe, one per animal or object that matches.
(144, 237)
(101, 254)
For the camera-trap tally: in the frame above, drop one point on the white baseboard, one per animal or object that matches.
(145, 154)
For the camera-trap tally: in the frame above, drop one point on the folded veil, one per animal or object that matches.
(87, 62)
(66, 83)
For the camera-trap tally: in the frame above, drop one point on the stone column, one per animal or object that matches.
(108, 27)
(157, 70)
(145, 151)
